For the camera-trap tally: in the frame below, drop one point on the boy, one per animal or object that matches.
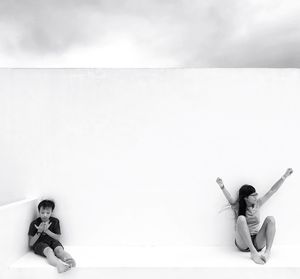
(44, 234)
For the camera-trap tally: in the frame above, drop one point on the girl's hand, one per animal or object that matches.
(220, 182)
(287, 173)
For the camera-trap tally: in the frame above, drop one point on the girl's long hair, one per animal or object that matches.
(245, 191)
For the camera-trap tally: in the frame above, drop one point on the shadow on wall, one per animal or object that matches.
(12, 174)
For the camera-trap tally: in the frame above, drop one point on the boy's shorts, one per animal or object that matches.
(40, 246)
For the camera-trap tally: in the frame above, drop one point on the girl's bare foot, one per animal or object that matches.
(62, 267)
(257, 258)
(70, 261)
(266, 255)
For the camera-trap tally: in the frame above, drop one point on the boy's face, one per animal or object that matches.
(45, 213)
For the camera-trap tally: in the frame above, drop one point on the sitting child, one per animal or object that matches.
(44, 234)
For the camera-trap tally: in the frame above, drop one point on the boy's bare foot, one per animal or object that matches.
(62, 267)
(257, 258)
(70, 261)
(266, 255)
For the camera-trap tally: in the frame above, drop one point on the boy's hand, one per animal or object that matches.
(287, 173)
(220, 182)
(47, 225)
(40, 228)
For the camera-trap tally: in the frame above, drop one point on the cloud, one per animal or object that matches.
(133, 33)
(41, 27)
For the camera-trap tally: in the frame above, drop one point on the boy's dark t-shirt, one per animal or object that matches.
(54, 227)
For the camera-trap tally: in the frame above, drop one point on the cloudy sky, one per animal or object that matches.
(150, 33)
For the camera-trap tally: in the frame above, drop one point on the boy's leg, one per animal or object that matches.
(53, 260)
(64, 256)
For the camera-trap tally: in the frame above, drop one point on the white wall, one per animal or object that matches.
(14, 219)
(131, 156)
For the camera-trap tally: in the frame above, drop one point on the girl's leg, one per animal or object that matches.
(243, 239)
(64, 256)
(53, 260)
(265, 236)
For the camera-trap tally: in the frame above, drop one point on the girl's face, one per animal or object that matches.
(252, 199)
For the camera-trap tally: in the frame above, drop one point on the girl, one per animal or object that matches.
(248, 236)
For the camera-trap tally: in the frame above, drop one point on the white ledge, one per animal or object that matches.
(165, 257)
(17, 203)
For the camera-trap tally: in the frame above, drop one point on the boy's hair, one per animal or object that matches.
(46, 204)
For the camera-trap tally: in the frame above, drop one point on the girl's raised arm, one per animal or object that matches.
(225, 191)
(275, 187)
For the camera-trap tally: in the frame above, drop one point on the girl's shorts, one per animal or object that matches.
(253, 236)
